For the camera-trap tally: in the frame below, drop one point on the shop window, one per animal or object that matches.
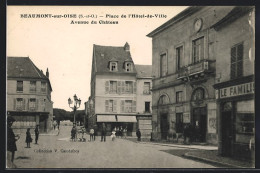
(43, 87)
(146, 88)
(19, 86)
(179, 57)
(179, 123)
(32, 86)
(163, 65)
(198, 50)
(236, 61)
(179, 96)
(245, 127)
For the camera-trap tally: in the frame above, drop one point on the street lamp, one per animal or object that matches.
(77, 103)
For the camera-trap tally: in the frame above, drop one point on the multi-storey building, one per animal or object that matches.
(28, 95)
(144, 98)
(184, 65)
(114, 90)
(235, 82)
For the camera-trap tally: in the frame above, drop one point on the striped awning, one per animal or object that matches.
(106, 118)
(128, 118)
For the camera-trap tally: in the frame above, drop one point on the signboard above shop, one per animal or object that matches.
(236, 90)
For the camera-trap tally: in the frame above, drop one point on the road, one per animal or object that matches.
(60, 152)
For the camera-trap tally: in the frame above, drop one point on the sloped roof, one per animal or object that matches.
(143, 71)
(104, 54)
(231, 16)
(23, 67)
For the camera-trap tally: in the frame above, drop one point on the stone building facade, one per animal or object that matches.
(28, 95)
(184, 69)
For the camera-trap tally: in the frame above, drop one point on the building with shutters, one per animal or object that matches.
(113, 88)
(184, 70)
(235, 82)
(28, 95)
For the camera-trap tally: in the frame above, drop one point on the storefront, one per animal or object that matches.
(235, 102)
(127, 122)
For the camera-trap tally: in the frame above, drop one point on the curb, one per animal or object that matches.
(177, 146)
(187, 155)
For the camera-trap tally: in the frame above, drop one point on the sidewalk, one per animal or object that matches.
(203, 153)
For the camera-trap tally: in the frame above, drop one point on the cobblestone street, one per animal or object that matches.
(57, 151)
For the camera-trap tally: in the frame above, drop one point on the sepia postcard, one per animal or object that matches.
(130, 87)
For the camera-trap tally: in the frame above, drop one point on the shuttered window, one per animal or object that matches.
(237, 61)
(129, 87)
(163, 65)
(110, 105)
(32, 104)
(20, 104)
(113, 87)
(198, 50)
(128, 106)
(107, 87)
(43, 87)
(33, 86)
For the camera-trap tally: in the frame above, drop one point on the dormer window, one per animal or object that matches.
(128, 66)
(113, 66)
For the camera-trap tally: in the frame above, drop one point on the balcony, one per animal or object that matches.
(197, 70)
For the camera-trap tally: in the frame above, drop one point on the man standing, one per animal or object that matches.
(36, 131)
(11, 145)
(138, 134)
(103, 132)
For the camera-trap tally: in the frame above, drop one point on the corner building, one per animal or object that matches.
(184, 68)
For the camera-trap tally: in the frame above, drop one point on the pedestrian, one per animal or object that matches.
(73, 133)
(82, 134)
(54, 124)
(11, 142)
(124, 132)
(113, 136)
(91, 132)
(138, 134)
(185, 134)
(103, 132)
(28, 138)
(36, 131)
(117, 132)
(121, 131)
(58, 124)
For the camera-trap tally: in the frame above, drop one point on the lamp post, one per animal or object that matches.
(77, 103)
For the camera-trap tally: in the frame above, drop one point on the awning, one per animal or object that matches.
(106, 118)
(131, 119)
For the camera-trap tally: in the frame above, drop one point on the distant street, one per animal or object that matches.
(121, 153)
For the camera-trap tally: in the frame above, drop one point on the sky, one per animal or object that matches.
(66, 49)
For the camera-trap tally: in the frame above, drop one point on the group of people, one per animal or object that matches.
(191, 133)
(12, 138)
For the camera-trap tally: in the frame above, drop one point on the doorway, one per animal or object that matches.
(227, 135)
(164, 126)
(200, 124)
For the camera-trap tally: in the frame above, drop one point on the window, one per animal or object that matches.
(129, 87)
(178, 96)
(237, 61)
(147, 107)
(19, 86)
(179, 57)
(32, 104)
(43, 87)
(198, 94)
(110, 106)
(113, 87)
(163, 65)
(113, 66)
(179, 123)
(20, 105)
(128, 106)
(198, 50)
(128, 66)
(163, 100)
(146, 88)
(245, 127)
(32, 86)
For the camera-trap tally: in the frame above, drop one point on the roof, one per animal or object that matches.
(104, 54)
(23, 67)
(231, 16)
(185, 13)
(143, 70)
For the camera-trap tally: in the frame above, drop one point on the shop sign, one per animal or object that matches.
(237, 90)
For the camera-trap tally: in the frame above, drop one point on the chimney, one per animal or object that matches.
(126, 47)
(47, 73)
